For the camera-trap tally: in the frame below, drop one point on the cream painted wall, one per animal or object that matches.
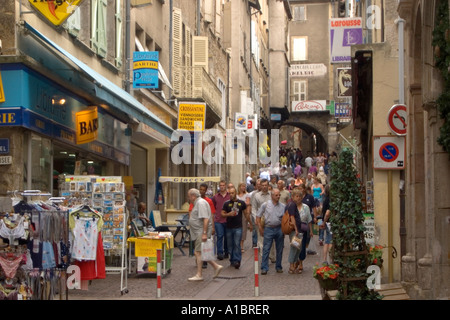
(385, 95)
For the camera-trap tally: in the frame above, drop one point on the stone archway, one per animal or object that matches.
(312, 123)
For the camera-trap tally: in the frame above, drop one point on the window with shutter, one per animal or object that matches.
(300, 93)
(98, 27)
(119, 33)
(199, 62)
(218, 22)
(177, 50)
(208, 13)
(188, 61)
(299, 13)
(73, 23)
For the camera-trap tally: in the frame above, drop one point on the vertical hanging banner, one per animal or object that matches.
(2, 93)
(56, 11)
(87, 125)
(344, 33)
(145, 69)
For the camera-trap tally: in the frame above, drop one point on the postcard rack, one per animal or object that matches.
(107, 196)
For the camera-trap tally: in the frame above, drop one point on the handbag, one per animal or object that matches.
(208, 250)
(296, 242)
(303, 227)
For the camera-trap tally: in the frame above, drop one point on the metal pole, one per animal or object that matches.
(127, 45)
(390, 222)
(256, 272)
(158, 273)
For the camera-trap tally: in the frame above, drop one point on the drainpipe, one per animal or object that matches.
(170, 43)
(127, 45)
(401, 100)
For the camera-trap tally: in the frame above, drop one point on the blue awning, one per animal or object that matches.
(107, 91)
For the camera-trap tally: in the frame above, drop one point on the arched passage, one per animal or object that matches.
(314, 127)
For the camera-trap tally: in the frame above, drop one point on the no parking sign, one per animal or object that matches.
(389, 152)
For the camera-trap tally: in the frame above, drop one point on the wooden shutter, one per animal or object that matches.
(199, 62)
(188, 61)
(218, 23)
(98, 26)
(177, 50)
(94, 16)
(73, 23)
(101, 29)
(119, 37)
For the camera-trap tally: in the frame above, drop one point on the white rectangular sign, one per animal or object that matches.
(309, 105)
(5, 160)
(307, 70)
(344, 32)
(389, 152)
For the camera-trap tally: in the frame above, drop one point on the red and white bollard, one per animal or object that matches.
(256, 272)
(158, 273)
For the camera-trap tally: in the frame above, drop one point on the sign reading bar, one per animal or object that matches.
(56, 11)
(87, 125)
(191, 113)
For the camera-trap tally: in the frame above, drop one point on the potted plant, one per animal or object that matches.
(327, 275)
(375, 255)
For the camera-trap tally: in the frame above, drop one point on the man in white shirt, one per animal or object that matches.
(200, 223)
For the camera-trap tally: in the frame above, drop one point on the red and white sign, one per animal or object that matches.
(309, 105)
(397, 119)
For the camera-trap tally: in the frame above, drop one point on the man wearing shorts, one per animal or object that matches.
(200, 223)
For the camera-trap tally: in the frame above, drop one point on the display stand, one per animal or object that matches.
(145, 248)
(107, 196)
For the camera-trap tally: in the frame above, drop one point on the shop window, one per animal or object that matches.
(39, 161)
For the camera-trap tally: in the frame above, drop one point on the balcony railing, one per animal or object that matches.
(195, 83)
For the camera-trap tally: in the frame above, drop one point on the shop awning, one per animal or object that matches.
(105, 90)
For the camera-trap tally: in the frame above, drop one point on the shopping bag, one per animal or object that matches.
(296, 242)
(208, 250)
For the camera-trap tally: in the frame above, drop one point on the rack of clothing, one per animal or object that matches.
(34, 250)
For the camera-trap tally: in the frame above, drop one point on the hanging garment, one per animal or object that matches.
(85, 237)
(48, 256)
(91, 270)
(11, 264)
(12, 233)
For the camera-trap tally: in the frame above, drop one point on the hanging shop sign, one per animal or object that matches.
(309, 105)
(191, 116)
(389, 152)
(145, 69)
(344, 83)
(344, 33)
(56, 11)
(87, 125)
(307, 70)
(189, 179)
(240, 121)
(2, 93)
(397, 117)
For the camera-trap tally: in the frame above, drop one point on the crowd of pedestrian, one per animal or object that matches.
(297, 186)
